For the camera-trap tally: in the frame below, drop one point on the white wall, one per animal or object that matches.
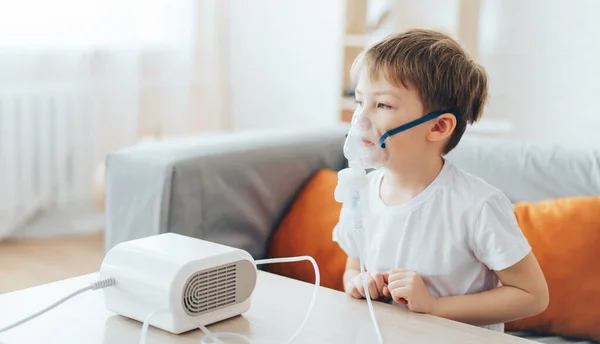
(285, 63)
(542, 57)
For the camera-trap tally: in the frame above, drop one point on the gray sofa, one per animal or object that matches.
(233, 188)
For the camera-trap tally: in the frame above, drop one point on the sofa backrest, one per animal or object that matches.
(530, 171)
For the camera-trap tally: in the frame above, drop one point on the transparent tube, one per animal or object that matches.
(359, 230)
(214, 336)
(146, 324)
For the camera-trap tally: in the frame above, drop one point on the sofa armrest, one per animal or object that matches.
(229, 188)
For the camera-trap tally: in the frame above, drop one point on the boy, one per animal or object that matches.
(440, 240)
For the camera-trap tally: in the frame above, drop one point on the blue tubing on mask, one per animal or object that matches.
(414, 123)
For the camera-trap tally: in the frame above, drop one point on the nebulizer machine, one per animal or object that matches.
(364, 149)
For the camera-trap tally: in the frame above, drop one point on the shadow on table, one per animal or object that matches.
(119, 329)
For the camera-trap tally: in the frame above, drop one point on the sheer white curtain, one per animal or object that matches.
(80, 78)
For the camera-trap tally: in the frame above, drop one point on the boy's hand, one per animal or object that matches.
(407, 287)
(376, 285)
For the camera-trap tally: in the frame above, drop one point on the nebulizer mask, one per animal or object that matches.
(364, 152)
(366, 147)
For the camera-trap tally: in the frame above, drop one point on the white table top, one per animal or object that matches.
(278, 307)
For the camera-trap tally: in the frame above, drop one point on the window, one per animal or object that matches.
(82, 23)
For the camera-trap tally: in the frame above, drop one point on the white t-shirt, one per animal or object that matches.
(454, 233)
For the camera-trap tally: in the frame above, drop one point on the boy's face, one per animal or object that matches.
(386, 107)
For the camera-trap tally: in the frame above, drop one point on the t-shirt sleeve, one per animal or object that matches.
(343, 233)
(498, 241)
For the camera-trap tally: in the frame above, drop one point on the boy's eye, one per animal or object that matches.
(383, 106)
(358, 102)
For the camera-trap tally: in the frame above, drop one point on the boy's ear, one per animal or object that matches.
(443, 127)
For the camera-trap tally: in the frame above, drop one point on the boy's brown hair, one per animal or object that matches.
(437, 67)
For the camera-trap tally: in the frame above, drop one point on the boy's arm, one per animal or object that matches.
(352, 269)
(523, 293)
(497, 242)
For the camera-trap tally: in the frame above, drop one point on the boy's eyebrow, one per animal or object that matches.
(357, 91)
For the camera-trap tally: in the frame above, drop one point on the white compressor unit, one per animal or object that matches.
(184, 281)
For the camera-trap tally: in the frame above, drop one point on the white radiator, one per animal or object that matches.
(45, 154)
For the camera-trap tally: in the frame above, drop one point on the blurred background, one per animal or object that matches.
(82, 78)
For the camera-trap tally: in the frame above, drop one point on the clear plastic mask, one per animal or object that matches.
(362, 147)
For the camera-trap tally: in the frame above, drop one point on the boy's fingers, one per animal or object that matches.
(351, 290)
(399, 294)
(386, 291)
(386, 276)
(372, 285)
(398, 276)
(398, 284)
(358, 286)
(379, 281)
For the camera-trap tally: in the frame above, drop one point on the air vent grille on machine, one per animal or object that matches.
(210, 290)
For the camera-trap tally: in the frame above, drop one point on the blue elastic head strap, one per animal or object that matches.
(414, 123)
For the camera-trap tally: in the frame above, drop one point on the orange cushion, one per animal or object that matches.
(565, 237)
(307, 230)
